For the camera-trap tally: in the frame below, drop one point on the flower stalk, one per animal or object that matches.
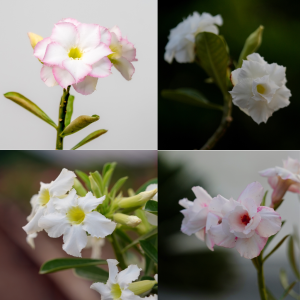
(119, 255)
(61, 118)
(258, 263)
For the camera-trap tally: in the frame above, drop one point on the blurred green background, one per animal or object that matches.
(185, 127)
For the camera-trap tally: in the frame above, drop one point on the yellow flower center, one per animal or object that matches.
(117, 49)
(260, 88)
(44, 197)
(75, 53)
(116, 291)
(75, 215)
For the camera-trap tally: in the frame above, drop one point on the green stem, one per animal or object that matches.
(61, 118)
(258, 263)
(225, 122)
(117, 250)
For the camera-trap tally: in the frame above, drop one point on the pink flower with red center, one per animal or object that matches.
(75, 54)
(283, 179)
(243, 224)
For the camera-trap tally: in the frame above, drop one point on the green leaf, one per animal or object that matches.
(251, 45)
(292, 259)
(272, 237)
(107, 177)
(85, 178)
(263, 202)
(276, 247)
(78, 124)
(270, 295)
(287, 290)
(69, 112)
(81, 191)
(89, 138)
(126, 238)
(117, 186)
(30, 106)
(92, 273)
(108, 166)
(151, 207)
(143, 237)
(213, 57)
(149, 250)
(191, 97)
(285, 283)
(98, 179)
(68, 263)
(144, 186)
(95, 187)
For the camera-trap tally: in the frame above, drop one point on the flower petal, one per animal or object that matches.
(54, 224)
(70, 20)
(113, 270)
(217, 204)
(63, 205)
(89, 202)
(105, 35)
(222, 236)
(77, 68)
(116, 30)
(234, 76)
(193, 221)
(128, 50)
(253, 191)
(63, 77)
(276, 73)
(129, 295)
(128, 275)
(252, 69)
(101, 68)
(87, 86)
(152, 219)
(251, 247)
(96, 54)
(32, 226)
(40, 48)
(103, 290)
(55, 55)
(200, 234)
(89, 36)
(65, 34)
(62, 184)
(202, 195)
(97, 225)
(75, 240)
(270, 222)
(47, 76)
(280, 99)
(125, 67)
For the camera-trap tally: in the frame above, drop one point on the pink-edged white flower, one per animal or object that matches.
(181, 45)
(196, 216)
(123, 53)
(259, 88)
(75, 54)
(43, 202)
(72, 217)
(152, 219)
(96, 244)
(243, 224)
(117, 284)
(283, 179)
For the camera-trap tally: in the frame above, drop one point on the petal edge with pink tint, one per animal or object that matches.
(105, 35)
(65, 34)
(40, 48)
(47, 76)
(77, 68)
(101, 68)
(125, 67)
(270, 222)
(55, 55)
(96, 54)
(87, 86)
(63, 77)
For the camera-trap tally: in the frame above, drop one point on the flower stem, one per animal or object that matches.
(225, 122)
(258, 263)
(61, 118)
(117, 250)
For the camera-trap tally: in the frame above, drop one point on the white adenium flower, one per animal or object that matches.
(196, 215)
(30, 239)
(259, 88)
(243, 224)
(181, 45)
(152, 219)
(96, 244)
(283, 179)
(43, 202)
(72, 217)
(75, 54)
(123, 53)
(117, 285)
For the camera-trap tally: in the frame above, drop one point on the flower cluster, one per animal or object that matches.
(259, 88)
(242, 224)
(60, 211)
(181, 45)
(78, 54)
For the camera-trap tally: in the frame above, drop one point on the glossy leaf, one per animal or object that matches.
(213, 57)
(251, 45)
(191, 97)
(92, 273)
(276, 247)
(89, 138)
(151, 206)
(84, 177)
(69, 112)
(68, 263)
(144, 186)
(292, 258)
(81, 191)
(149, 250)
(30, 106)
(78, 124)
(285, 284)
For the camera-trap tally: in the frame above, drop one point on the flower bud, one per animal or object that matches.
(123, 219)
(34, 39)
(141, 287)
(137, 200)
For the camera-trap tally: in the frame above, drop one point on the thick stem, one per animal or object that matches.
(260, 277)
(117, 250)
(225, 122)
(61, 118)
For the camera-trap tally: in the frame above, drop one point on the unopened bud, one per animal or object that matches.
(141, 287)
(34, 39)
(137, 200)
(123, 219)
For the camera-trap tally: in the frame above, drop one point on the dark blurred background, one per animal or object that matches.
(20, 175)
(188, 270)
(185, 127)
